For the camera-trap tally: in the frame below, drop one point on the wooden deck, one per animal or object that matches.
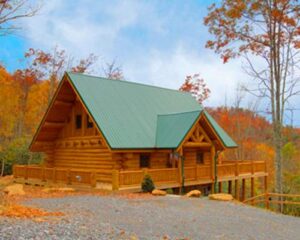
(131, 180)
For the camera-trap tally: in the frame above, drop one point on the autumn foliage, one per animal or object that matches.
(195, 85)
(25, 95)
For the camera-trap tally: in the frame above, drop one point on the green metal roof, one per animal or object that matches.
(172, 128)
(132, 115)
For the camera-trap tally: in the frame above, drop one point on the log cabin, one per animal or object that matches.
(110, 133)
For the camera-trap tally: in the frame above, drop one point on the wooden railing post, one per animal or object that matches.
(266, 166)
(252, 167)
(237, 169)
(180, 171)
(115, 179)
(267, 201)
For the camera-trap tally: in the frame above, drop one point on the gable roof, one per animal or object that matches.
(172, 128)
(132, 115)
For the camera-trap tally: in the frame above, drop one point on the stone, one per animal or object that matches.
(58, 189)
(14, 189)
(157, 192)
(194, 193)
(221, 197)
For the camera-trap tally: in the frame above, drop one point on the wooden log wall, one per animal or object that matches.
(191, 156)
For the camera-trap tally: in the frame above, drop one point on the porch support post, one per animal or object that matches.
(181, 169)
(220, 187)
(237, 189)
(243, 189)
(214, 174)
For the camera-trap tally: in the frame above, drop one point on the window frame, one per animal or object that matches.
(199, 157)
(78, 121)
(144, 157)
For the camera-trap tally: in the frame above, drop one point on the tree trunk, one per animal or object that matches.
(278, 161)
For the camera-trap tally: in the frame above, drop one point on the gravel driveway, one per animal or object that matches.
(111, 217)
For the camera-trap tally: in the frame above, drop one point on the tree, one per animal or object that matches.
(12, 10)
(196, 86)
(51, 66)
(24, 79)
(268, 31)
(113, 71)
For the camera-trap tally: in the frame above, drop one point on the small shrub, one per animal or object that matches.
(147, 184)
(170, 191)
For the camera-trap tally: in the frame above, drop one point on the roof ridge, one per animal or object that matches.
(130, 82)
(177, 113)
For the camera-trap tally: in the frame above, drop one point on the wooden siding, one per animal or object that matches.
(81, 148)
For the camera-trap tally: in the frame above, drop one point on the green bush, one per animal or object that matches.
(147, 184)
(17, 152)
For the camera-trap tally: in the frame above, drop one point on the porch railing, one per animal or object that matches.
(131, 178)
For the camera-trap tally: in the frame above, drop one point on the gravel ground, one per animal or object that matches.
(109, 217)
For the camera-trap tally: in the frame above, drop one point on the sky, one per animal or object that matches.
(155, 42)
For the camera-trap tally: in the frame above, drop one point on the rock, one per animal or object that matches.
(15, 189)
(193, 193)
(58, 189)
(221, 197)
(157, 192)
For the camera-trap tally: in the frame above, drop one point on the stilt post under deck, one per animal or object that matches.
(237, 189)
(252, 189)
(220, 187)
(230, 187)
(243, 189)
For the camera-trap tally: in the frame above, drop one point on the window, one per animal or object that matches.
(144, 161)
(89, 123)
(200, 158)
(78, 121)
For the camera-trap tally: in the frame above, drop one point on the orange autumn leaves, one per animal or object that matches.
(22, 98)
(20, 211)
(195, 85)
(251, 132)
(26, 93)
(241, 26)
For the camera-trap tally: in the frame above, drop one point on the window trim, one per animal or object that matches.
(78, 121)
(198, 161)
(147, 158)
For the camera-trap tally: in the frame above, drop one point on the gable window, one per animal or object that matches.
(89, 123)
(144, 160)
(78, 121)
(200, 158)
